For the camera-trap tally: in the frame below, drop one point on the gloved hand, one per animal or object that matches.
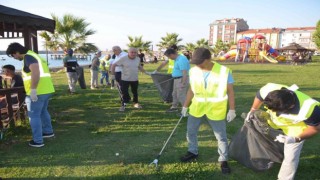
(184, 111)
(155, 72)
(247, 119)
(33, 95)
(231, 115)
(113, 77)
(285, 139)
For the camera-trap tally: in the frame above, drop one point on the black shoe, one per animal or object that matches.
(34, 144)
(171, 110)
(188, 157)
(225, 169)
(47, 135)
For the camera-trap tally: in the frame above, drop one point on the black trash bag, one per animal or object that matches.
(164, 84)
(253, 145)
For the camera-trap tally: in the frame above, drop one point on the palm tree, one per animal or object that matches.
(169, 40)
(137, 42)
(190, 47)
(70, 32)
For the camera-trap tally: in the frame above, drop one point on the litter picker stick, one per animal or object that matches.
(155, 161)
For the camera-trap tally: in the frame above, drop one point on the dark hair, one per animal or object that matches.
(70, 52)
(14, 48)
(9, 66)
(175, 47)
(280, 100)
(170, 51)
(113, 56)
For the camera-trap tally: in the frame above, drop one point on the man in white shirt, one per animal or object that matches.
(119, 54)
(130, 65)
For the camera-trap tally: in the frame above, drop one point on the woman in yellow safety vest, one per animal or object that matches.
(211, 89)
(296, 114)
(39, 88)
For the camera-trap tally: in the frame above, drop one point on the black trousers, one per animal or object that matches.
(125, 91)
(118, 78)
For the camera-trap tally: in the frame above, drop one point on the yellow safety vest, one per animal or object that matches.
(213, 100)
(170, 66)
(45, 85)
(106, 65)
(291, 124)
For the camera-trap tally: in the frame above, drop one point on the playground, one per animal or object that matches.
(94, 141)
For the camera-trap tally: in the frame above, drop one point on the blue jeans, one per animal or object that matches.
(219, 130)
(104, 75)
(39, 117)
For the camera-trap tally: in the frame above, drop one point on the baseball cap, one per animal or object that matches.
(200, 55)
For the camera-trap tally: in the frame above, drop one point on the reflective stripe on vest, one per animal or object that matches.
(45, 85)
(170, 66)
(211, 100)
(291, 124)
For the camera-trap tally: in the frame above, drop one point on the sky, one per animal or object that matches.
(114, 20)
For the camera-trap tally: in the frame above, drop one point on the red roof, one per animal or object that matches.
(300, 28)
(254, 31)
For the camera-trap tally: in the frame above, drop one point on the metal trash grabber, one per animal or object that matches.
(155, 161)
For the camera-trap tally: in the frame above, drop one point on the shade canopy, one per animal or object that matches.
(15, 23)
(294, 47)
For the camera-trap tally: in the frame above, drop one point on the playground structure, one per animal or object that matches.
(253, 49)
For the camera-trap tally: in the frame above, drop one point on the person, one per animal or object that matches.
(113, 58)
(71, 65)
(104, 68)
(169, 61)
(130, 65)
(39, 89)
(95, 69)
(142, 57)
(9, 73)
(181, 78)
(119, 54)
(210, 91)
(15, 81)
(296, 114)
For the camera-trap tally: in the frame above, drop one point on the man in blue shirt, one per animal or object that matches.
(181, 78)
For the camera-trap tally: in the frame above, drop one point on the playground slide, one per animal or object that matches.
(268, 58)
(229, 54)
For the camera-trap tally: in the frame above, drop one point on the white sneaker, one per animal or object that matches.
(112, 87)
(93, 88)
(122, 109)
(137, 105)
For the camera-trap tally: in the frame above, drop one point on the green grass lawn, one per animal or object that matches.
(90, 131)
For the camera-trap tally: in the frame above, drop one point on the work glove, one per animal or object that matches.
(155, 72)
(285, 139)
(184, 111)
(113, 77)
(247, 119)
(33, 95)
(231, 115)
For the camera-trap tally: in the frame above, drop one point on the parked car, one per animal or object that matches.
(317, 53)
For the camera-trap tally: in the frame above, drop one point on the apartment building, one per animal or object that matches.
(226, 30)
(299, 35)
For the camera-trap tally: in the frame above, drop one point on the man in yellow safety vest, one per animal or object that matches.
(211, 89)
(296, 114)
(39, 88)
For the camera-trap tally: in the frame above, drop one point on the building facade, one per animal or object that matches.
(299, 35)
(226, 30)
(273, 35)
